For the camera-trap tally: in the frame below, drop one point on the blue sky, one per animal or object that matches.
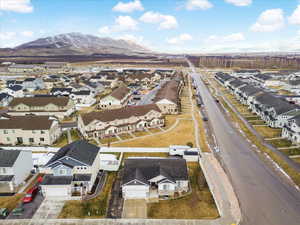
(194, 26)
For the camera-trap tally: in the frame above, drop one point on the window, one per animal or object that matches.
(42, 132)
(62, 171)
(5, 132)
(31, 140)
(165, 187)
(33, 131)
(2, 170)
(42, 139)
(8, 139)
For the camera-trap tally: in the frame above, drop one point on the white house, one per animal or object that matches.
(116, 99)
(73, 169)
(16, 91)
(146, 178)
(15, 166)
(83, 98)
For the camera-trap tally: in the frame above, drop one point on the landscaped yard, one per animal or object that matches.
(180, 135)
(268, 132)
(94, 208)
(199, 204)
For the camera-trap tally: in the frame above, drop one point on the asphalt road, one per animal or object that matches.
(265, 198)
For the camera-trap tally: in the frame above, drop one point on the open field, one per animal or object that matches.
(199, 204)
(96, 207)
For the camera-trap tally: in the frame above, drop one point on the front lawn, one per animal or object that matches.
(257, 122)
(297, 160)
(268, 132)
(281, 143)
(10, 202)
(94, 208)
(197, 205)
(292, 151)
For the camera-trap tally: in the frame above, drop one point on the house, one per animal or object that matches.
(28, 130)
(291, 130)
(73, 169)
(5, 99)
(61, 91)
(59, 67)
(83, 98)
(223, 78)
(13, 170)
(145, 178)
(32, 84)
(14, 90)
(117, 99)
(117, 121)
(167, 97)
(50, 106)
(95, 87)
(235, 84)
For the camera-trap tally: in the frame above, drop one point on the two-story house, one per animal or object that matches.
(117, 99)
(15, 167)
(28, 130)
(42, 106)
(72, 170)
(117, 121)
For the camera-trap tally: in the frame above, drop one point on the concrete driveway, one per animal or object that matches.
(135, 208)
(49, 209)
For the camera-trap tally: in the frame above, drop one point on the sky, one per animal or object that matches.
(173, 26)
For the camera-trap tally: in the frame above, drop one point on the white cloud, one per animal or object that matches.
(239, 2)
(269, 21)
(165, 21)
(27, 33)
(20, 6)
(227, 38)
(7, 35)
(198, 4)
(129, 7)
(180, 39)
(122, 23)
(295, 17)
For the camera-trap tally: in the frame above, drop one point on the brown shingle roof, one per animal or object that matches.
(120, 92)
(122, 113)
(26, 123)
(168, 91)
(40, 101)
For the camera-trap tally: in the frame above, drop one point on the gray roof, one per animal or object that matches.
(81, 151)
(49, 179)
(144, 169)
(8, 157)
(250, 90)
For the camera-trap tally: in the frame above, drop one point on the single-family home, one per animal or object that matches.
(33, 83)
(61, 91)
(15, 167)
(83, 98)
(145, 178)
(72, 170)
(5, 99)
(16, 91)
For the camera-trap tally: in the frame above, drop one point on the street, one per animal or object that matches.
(265, 199)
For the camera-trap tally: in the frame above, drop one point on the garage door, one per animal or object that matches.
(135, 192)
(56, 191)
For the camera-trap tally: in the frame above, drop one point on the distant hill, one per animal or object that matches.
(74, 44)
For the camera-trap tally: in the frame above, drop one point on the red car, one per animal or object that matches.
(31, 193)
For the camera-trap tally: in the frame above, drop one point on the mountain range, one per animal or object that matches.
(74, 44)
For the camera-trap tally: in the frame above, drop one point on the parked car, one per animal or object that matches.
(18, 211)
(3, 213)
(30, 195)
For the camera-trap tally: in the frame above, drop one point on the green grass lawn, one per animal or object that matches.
(197, 205)
(94, 208)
